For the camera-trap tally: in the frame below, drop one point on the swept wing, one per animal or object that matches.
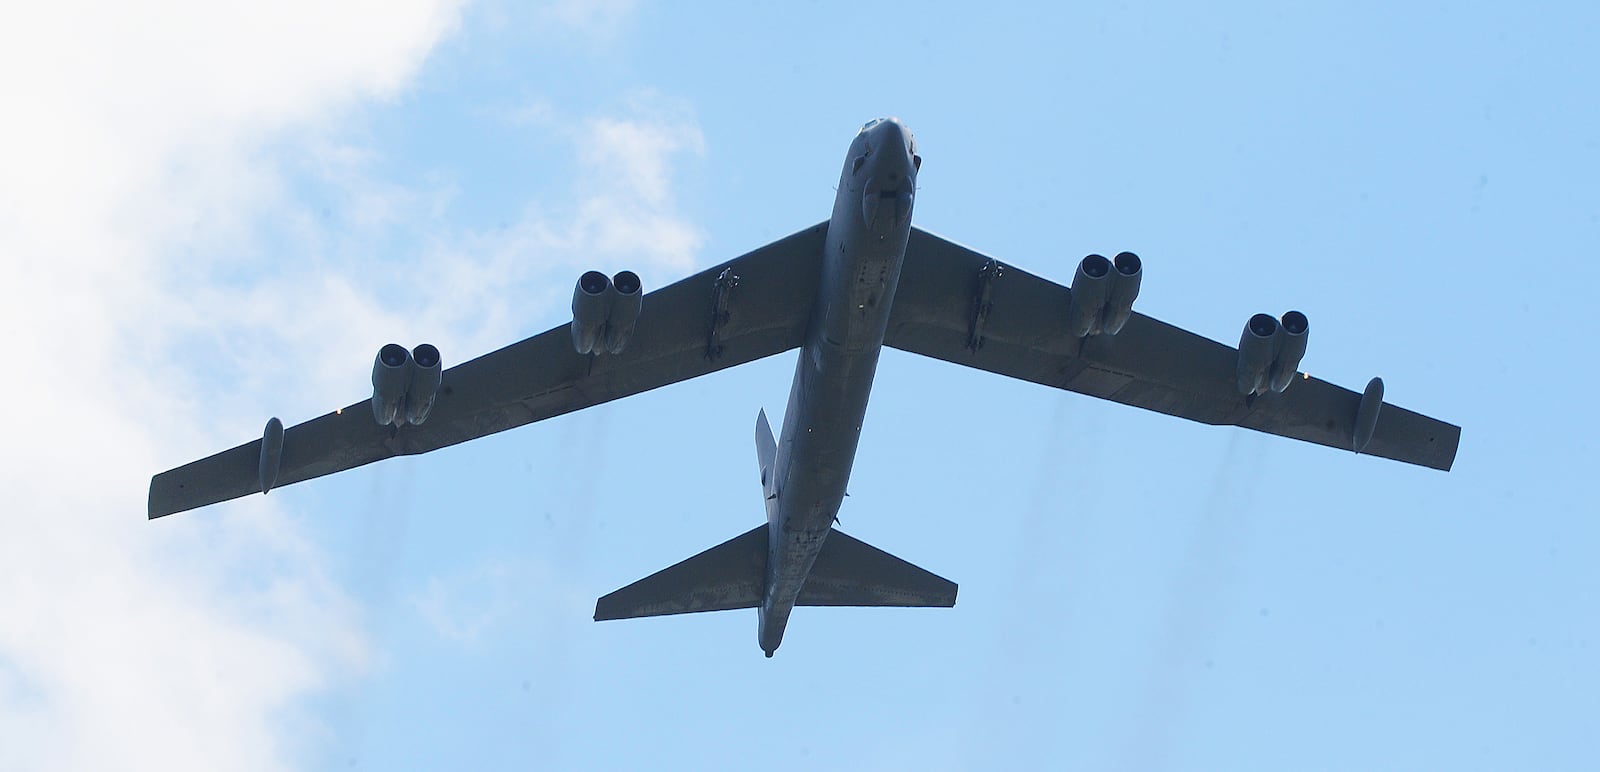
(962, 306)
(748, 308)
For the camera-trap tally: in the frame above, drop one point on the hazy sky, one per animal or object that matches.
(212, 213)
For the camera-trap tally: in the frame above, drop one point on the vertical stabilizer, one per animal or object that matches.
(766, 456)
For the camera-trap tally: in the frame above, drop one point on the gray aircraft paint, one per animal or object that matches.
(838, 291)
(833, 377)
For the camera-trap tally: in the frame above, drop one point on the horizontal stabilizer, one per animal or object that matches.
(727, 576)
(733, 574)
(850, 572)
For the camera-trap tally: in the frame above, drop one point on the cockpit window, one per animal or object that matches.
(871, 123)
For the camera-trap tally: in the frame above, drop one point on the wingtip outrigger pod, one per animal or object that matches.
(271, 453)
(1367, 414)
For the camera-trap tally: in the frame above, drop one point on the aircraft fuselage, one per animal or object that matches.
(861, 261)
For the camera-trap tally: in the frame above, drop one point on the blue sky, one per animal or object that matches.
(214, 214)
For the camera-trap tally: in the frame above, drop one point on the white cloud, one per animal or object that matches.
(636, 218)
(596, 21)
(149, 248)
(135, 142)
(465, 606)
(328, 307)
(461, 608)
(624, 192)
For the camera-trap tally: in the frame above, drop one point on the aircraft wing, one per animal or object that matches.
(1015, 324)
(699, 325)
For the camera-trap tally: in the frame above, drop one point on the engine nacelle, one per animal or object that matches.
(591, 304)
(1091, 285)
(1124, 289)
(1258, 348)
(391, 377)
(1295, 328)
(1270, 352)
(626, 303)
(426, 372)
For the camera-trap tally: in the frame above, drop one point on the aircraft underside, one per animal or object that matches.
(838, 292)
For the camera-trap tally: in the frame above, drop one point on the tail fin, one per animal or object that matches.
(730, 575)
(766, 457)
(733, 574)
(851, 572)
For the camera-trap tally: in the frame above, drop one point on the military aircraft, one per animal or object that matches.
(839, 291)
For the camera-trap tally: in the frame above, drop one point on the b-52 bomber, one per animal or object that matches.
(839, 291)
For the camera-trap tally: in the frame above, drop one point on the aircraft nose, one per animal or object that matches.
(890, 132)
(887, 163)
(894, 150)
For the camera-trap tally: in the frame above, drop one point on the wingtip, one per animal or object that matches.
(150, 510)
(161, 501)
(1455, 447)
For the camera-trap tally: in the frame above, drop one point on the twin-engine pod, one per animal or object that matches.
(1103, 292)
(605, 311)
(1270, 351)
(404, 384)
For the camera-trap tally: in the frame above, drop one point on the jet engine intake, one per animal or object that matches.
(391, 377)
(1258, 347)
(605, 311)
(1124, 289)
(1091, 285)
(1295, 330)
(426, 373)
(591, 304)
(1270, 352)
(1103, 292)
(625, 307)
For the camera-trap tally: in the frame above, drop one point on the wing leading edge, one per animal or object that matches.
(961, 306)
(746, 309)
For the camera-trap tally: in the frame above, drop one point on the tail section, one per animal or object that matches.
(767, 459)
(731, 575)
(766, 446)
(847, 572)
(851, 572)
